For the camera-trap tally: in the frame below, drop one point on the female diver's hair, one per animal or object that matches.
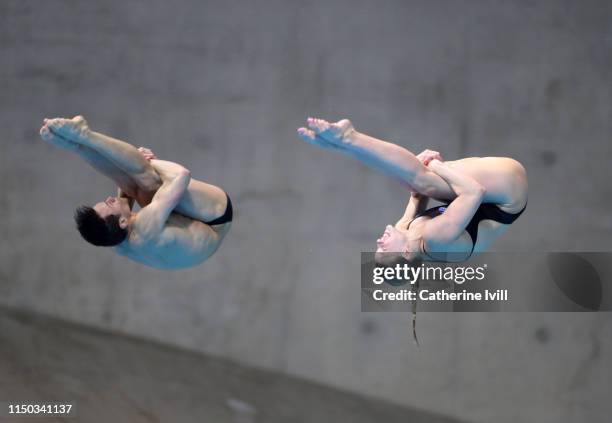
(102, 232)
(393, 259)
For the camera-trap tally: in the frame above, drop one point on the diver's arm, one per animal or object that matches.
(417, 204)
(122, 194)
(152, 218)
(460, 183)
(167, 170)
(451, 224)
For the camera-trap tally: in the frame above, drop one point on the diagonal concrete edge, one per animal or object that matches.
(111, 377)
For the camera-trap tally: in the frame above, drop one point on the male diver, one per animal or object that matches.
(182, 221)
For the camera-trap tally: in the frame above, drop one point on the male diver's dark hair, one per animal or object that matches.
(98, 231)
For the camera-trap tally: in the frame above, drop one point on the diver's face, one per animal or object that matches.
(392, 240)
(113, 206)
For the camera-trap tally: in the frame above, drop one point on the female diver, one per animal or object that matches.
(482, 195)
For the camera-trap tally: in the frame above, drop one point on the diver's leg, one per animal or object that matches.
(95, 159)
(124, 155)
(203, 201)
(381, 155)
(504, 179)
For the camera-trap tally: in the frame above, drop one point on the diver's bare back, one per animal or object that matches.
(183, 242)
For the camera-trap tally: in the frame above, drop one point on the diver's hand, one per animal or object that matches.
(435, 164)
(416, 195)
(128, 196)
(147, 153)
(426, 156)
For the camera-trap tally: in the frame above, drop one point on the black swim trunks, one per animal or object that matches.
(226, 217)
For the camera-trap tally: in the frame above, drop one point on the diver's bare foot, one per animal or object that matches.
(56, 140)
(327, 135)
(75, 129)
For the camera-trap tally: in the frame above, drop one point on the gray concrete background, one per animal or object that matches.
(110, 378)
(220, 86)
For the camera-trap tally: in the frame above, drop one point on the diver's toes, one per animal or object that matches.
(306, 134)
(55, 123)
(317, 125)
(312, 124)
(46, 134)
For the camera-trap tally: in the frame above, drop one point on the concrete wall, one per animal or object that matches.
(220, 86)
(111, 378)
